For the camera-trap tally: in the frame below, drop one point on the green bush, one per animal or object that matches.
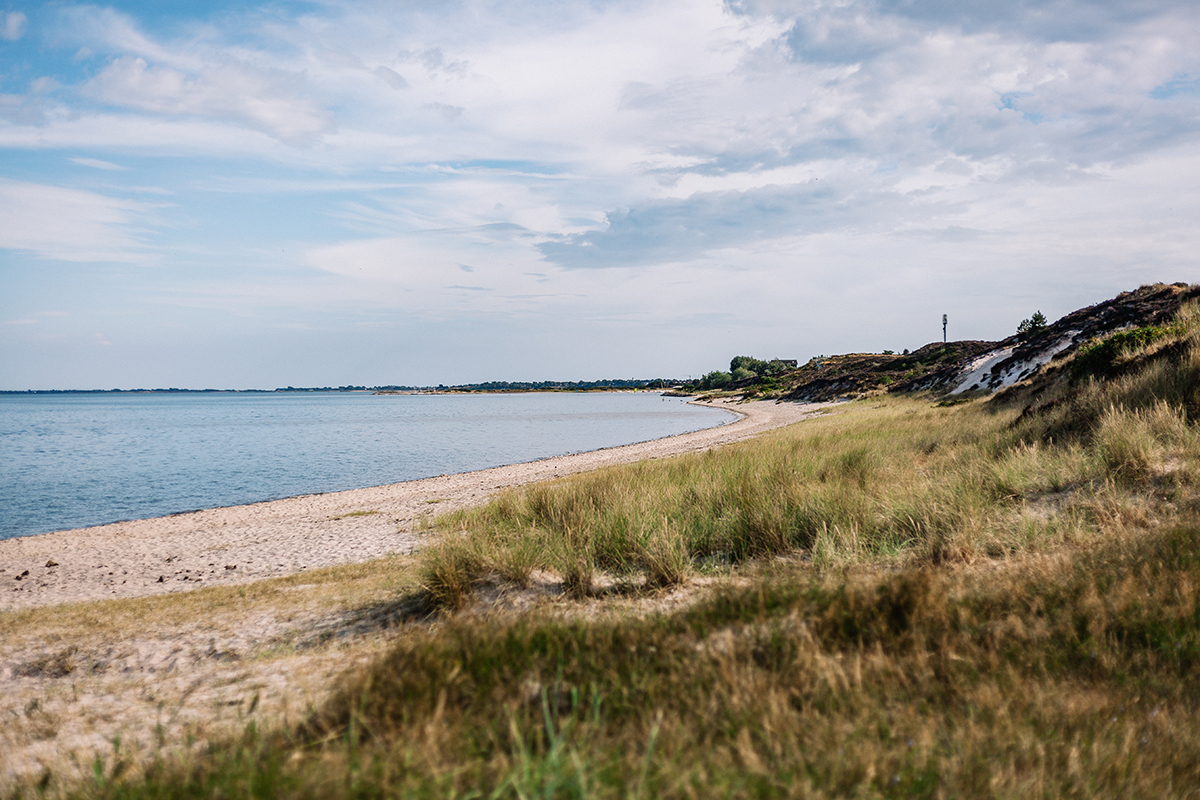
(742, 374)
(750, 366)
(748, 363)
(715, 380)
(1100, 356)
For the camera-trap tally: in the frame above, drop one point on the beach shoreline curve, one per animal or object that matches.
(274, 538)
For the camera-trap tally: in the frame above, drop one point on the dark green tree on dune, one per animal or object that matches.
(1034, 325)
(742, 367)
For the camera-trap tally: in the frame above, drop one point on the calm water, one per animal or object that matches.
(68, 461)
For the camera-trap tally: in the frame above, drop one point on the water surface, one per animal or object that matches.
(73, 460)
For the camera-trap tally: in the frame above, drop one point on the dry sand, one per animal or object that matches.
(239, 544)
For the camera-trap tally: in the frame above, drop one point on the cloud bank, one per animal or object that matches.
(680, 173)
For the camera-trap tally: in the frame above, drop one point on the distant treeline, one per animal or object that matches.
(489, 386)
(550, 386)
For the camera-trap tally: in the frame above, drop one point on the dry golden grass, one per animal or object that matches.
(898, 600)
(1061, 675)
(344, 586)
(893, 480)
(897, 480)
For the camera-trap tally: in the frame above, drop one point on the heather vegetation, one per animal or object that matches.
(902, 598)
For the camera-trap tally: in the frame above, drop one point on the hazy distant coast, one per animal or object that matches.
(487, 386)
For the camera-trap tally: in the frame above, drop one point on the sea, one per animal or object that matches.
(75, 460)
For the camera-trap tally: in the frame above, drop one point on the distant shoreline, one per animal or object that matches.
(491, 387)
(239, 544)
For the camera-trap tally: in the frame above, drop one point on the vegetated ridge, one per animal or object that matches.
(959, 367)
(901, 598)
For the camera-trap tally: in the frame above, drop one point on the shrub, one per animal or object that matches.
(742, 374)
(1100, 357)
(715, 380)
(750, 366)
(749, 363)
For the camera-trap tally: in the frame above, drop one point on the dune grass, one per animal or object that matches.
(975, 602)
(1056, 677)
(896, 480)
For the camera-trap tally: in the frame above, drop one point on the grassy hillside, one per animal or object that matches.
(903, 598)
(940, 367)
(897, 480)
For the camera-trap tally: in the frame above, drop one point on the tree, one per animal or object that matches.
(1031, 326)
(741, 365)
(747, 363)
(743, 373)
(715, 380)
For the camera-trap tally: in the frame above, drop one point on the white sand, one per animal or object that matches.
(245, 543)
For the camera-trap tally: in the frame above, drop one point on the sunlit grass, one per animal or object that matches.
(329, 588)
(912, 600)
(897, 480)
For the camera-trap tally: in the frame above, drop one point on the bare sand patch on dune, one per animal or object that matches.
(240, 544)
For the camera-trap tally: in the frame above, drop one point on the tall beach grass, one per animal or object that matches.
(900, 480)
(1070, 676)
(976, 601)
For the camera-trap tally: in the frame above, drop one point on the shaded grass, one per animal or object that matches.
(1052, 677)
(1132, 374)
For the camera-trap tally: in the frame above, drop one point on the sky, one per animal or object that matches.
(254, 195)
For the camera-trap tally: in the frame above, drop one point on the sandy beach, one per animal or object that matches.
(239, 544)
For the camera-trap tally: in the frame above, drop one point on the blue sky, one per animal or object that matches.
(233, 194)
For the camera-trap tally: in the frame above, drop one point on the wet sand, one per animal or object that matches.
(239, 544)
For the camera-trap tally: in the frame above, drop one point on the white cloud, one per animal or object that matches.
(12, 27)
(105, 29)
(726, 163)
(174, 136)
(648, 93)
(96, 163)
(71, 224)
(391, 77)
(268, 100)
(43, 85)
